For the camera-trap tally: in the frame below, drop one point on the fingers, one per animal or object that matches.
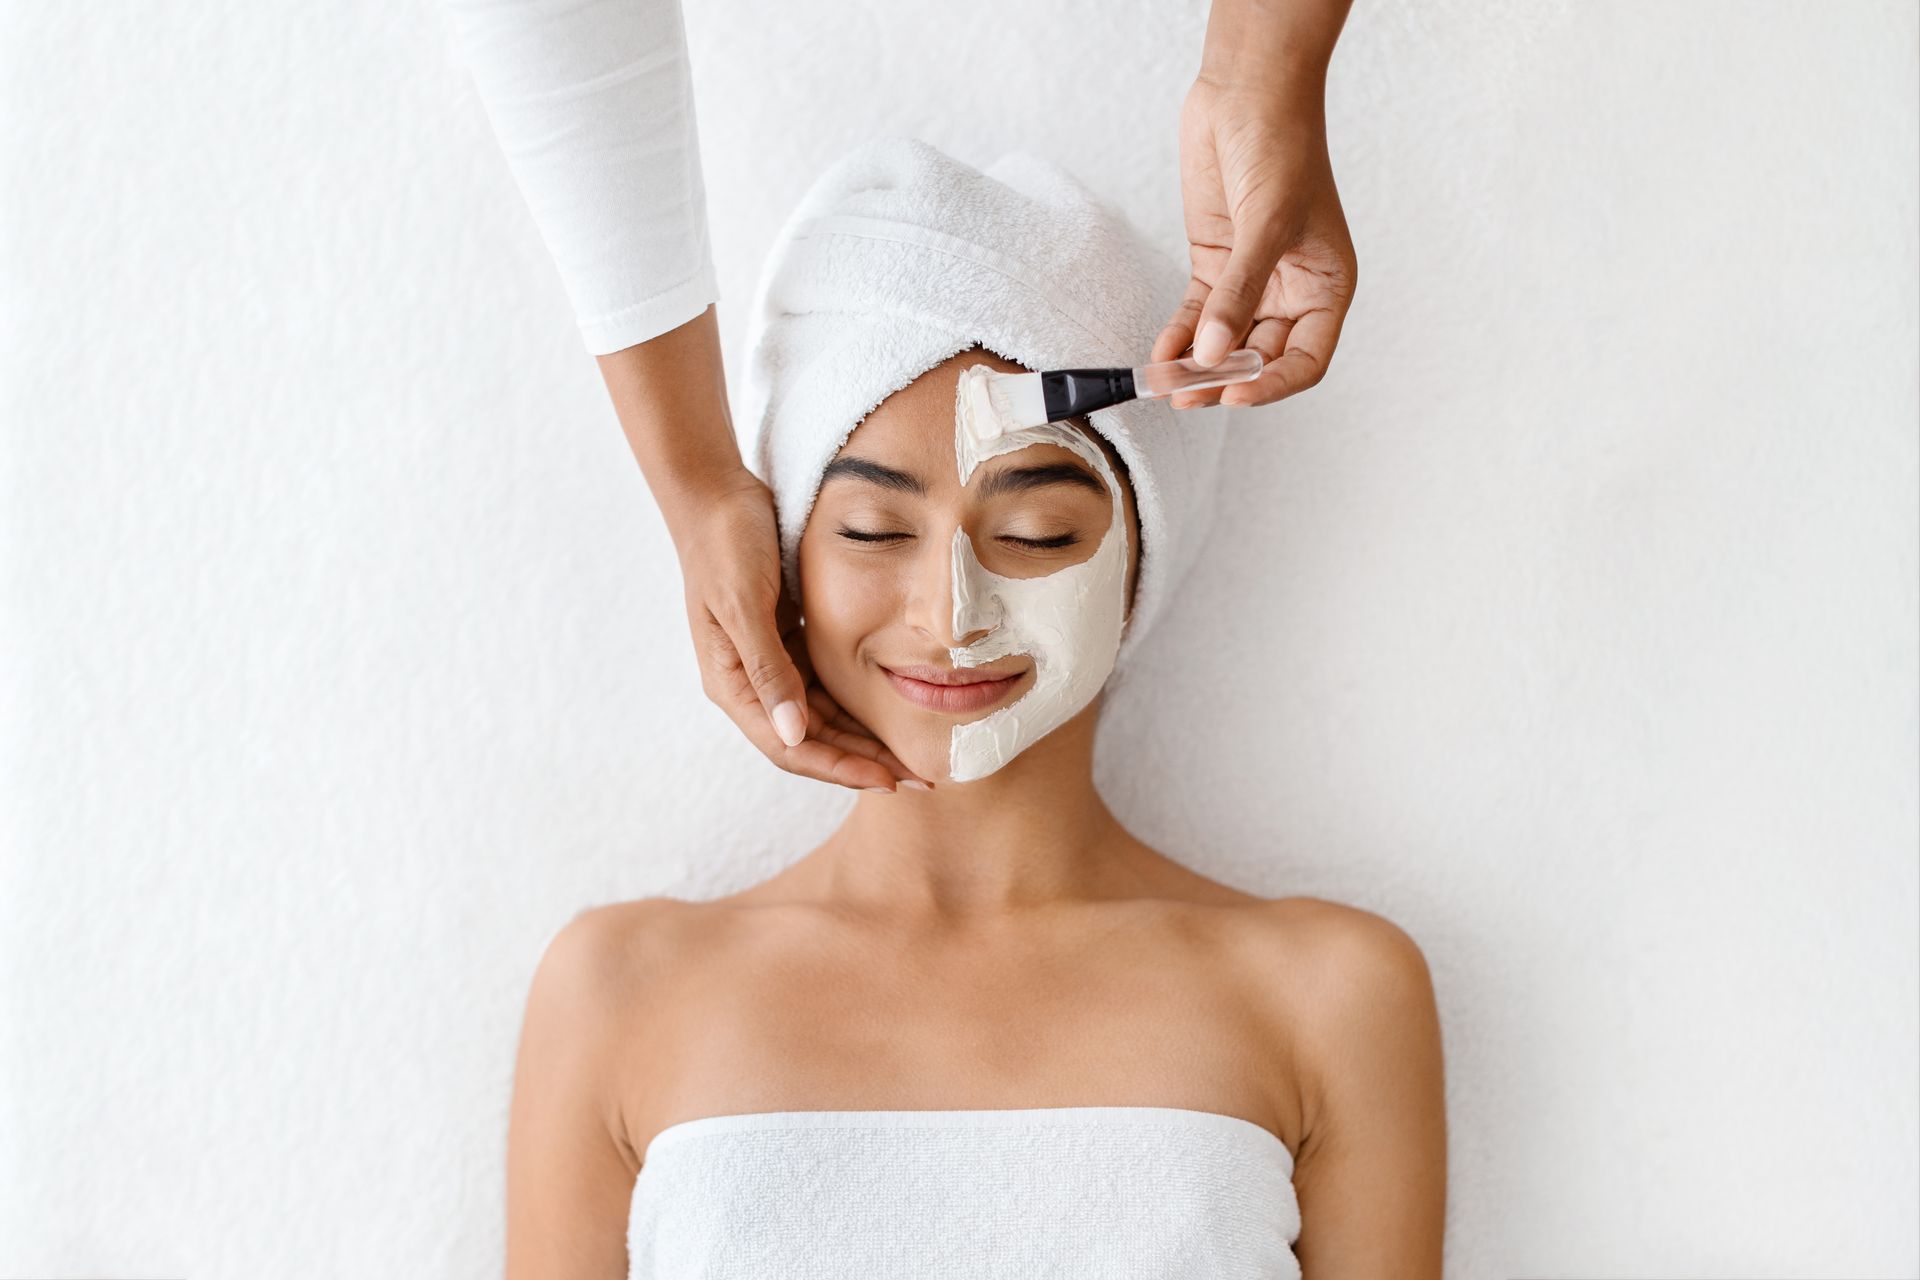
(1229, 308)
(838, 729)
(817, 759)
(1177, 337)
(1211, 321)
(724, 677)
(1309, 343)
(833, 725)
(752, 652)
(1269, 338)
(769, 669)
(1178, 334)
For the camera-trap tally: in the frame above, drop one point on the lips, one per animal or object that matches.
(952, 689)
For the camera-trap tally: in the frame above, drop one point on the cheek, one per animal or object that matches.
(842, 599)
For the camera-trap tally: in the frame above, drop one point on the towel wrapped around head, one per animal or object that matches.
(900, 257)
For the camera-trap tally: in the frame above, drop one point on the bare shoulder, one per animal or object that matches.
(604, 976)
(1324, 948)
(1365, 1027)
(618, 926)
(1349, 987)
(604, 973)
(1338, 943)
(570, 1156)
(606, 955)
(1370, 986)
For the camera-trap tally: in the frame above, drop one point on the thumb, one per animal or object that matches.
(770, 669)
(1229, 308)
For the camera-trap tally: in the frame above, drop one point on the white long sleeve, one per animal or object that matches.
(593, 104)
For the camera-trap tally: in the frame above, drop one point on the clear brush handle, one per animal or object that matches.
(1169, 376)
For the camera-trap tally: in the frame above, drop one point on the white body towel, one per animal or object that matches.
(1106, 1193)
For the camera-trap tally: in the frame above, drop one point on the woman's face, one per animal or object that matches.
(880, 560)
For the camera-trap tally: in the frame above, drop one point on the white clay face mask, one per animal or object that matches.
(1069, 621)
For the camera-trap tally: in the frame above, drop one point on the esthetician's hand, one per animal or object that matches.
(670, 393)
(1273, 264)
(752, 650)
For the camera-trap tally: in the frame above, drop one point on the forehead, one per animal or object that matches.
(915, 426)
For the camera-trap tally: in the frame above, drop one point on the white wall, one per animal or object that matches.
(1571, 623)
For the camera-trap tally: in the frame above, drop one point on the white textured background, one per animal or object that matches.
(1571, 623)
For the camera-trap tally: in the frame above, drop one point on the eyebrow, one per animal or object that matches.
(1007, 480)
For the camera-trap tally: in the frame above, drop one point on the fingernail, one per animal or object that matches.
(790, 722)
(885, 791)
(1215, 339)
(916, 784)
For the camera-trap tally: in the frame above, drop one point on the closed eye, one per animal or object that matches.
(1041, 544)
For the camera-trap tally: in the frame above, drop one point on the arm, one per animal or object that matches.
(1372, 1169)
(570, 1172)
(592, 102)
(1272, 260)
(670, 396)
(1284, 45)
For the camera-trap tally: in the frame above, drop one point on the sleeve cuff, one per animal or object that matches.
(630, 326)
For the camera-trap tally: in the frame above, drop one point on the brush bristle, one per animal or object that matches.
(997, 394)
(1017, 399)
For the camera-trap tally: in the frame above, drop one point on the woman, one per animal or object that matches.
(592, 101)
(982, 1029)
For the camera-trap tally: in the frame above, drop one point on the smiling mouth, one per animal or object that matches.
(952, 689)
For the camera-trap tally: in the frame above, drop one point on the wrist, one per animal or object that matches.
(1273, 50)
(1290, 103)
(670, 395)
(687, 499)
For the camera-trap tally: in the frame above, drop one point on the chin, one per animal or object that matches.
(924, 748)
(922, 742)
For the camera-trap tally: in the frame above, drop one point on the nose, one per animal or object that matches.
(955, 602)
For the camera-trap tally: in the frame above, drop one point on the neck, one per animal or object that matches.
(1031, 835)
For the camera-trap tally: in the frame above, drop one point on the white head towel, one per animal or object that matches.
(899, 257)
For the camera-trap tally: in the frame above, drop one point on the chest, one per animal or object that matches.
(1113, 1017)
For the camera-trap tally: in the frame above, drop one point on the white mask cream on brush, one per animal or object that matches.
(1069, 621)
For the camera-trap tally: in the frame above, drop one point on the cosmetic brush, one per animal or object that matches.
(1030, 399)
